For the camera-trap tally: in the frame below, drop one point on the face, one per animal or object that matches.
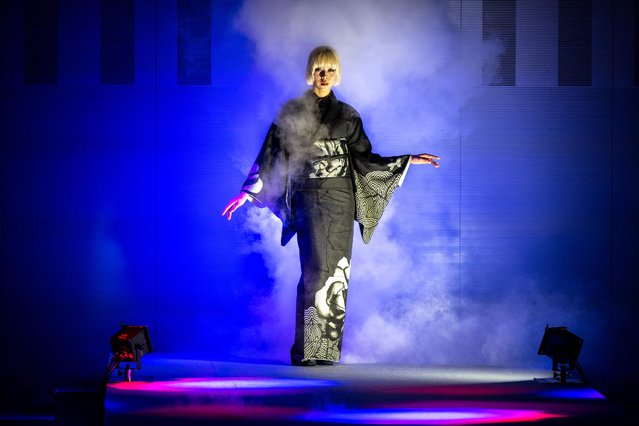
(323, 80)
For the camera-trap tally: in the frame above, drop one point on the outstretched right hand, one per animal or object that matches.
(235, 204)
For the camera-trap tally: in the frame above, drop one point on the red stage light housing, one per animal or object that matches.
(130, 343)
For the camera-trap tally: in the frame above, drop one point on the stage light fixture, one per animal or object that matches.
(128, 345)
(563, 347)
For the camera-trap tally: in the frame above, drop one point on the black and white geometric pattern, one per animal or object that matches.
(373, 192)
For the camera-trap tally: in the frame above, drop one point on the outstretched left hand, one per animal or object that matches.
(424, 159)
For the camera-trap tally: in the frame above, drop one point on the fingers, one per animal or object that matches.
(234, 204)
(433, 162)
(229, 209)
(429, 156)
(425, 159)
(228, 213)
(429, 159)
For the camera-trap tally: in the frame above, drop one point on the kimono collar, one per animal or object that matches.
(330, 97)
(325, 102)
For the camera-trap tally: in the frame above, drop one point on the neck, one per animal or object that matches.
(322, 93)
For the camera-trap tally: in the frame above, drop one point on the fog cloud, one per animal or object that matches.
(408, 69)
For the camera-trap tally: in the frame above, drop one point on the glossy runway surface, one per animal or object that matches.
(173, 391)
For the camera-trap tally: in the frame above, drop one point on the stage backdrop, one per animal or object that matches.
(127, 126)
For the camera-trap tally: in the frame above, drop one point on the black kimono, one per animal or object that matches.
(316, 172)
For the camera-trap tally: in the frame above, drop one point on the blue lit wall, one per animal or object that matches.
(129, 124)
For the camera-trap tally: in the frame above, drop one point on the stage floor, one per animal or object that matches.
(173, 391)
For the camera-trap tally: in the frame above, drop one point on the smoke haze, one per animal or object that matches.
(408, 70)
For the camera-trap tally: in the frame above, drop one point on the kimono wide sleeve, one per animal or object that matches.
(375, 178)
(268, 181)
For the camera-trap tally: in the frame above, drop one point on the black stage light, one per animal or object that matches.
(563, 348)
(128, 345)
(131, 342)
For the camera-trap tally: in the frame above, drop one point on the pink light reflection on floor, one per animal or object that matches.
(447, 416)
(428, 411)
(220, 383)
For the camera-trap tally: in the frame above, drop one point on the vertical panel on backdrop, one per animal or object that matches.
(194, 42)
(117, 41)
(575, 43)
(498, 22)
(40, 42)
(536, 44)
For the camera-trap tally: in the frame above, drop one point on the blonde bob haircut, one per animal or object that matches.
(323, 57)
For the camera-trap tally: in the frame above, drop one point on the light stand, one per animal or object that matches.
(128, 345)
